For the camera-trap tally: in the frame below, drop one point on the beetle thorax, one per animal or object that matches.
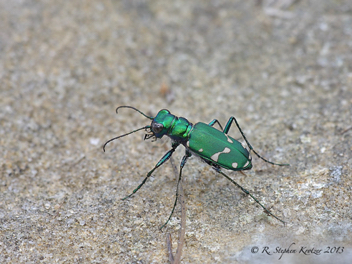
(165, 123)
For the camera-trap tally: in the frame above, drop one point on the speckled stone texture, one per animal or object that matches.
(283, 68)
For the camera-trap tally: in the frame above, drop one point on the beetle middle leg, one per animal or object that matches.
(183, 162)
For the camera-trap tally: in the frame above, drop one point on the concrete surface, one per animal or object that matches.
(283, 70)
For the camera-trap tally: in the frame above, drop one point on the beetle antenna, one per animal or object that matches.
(126, 106)
(146, 127)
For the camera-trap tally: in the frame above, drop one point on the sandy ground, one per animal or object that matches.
(283, 69)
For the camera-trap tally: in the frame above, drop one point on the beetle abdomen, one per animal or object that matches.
(219, 148)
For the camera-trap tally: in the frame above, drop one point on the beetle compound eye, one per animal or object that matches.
(157, 128)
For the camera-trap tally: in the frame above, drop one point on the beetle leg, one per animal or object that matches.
(226, 130)
(161, 162)
(183, 162)
(212, 123)
(248, 193)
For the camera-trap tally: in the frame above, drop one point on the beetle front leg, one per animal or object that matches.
(161, 162)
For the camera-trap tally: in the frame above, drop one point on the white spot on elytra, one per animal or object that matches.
(187, 143)
(234, 165)
(245, 165)
(215, 157)
(201, 150)
(228, 139)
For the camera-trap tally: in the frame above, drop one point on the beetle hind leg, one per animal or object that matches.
(215, 121)
(248, 193)
(226, 130)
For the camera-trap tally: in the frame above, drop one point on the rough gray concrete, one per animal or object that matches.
(285, 73)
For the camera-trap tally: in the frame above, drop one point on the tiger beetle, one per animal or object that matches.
(213, 146)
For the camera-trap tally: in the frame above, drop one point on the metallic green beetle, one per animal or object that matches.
(213, 146)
